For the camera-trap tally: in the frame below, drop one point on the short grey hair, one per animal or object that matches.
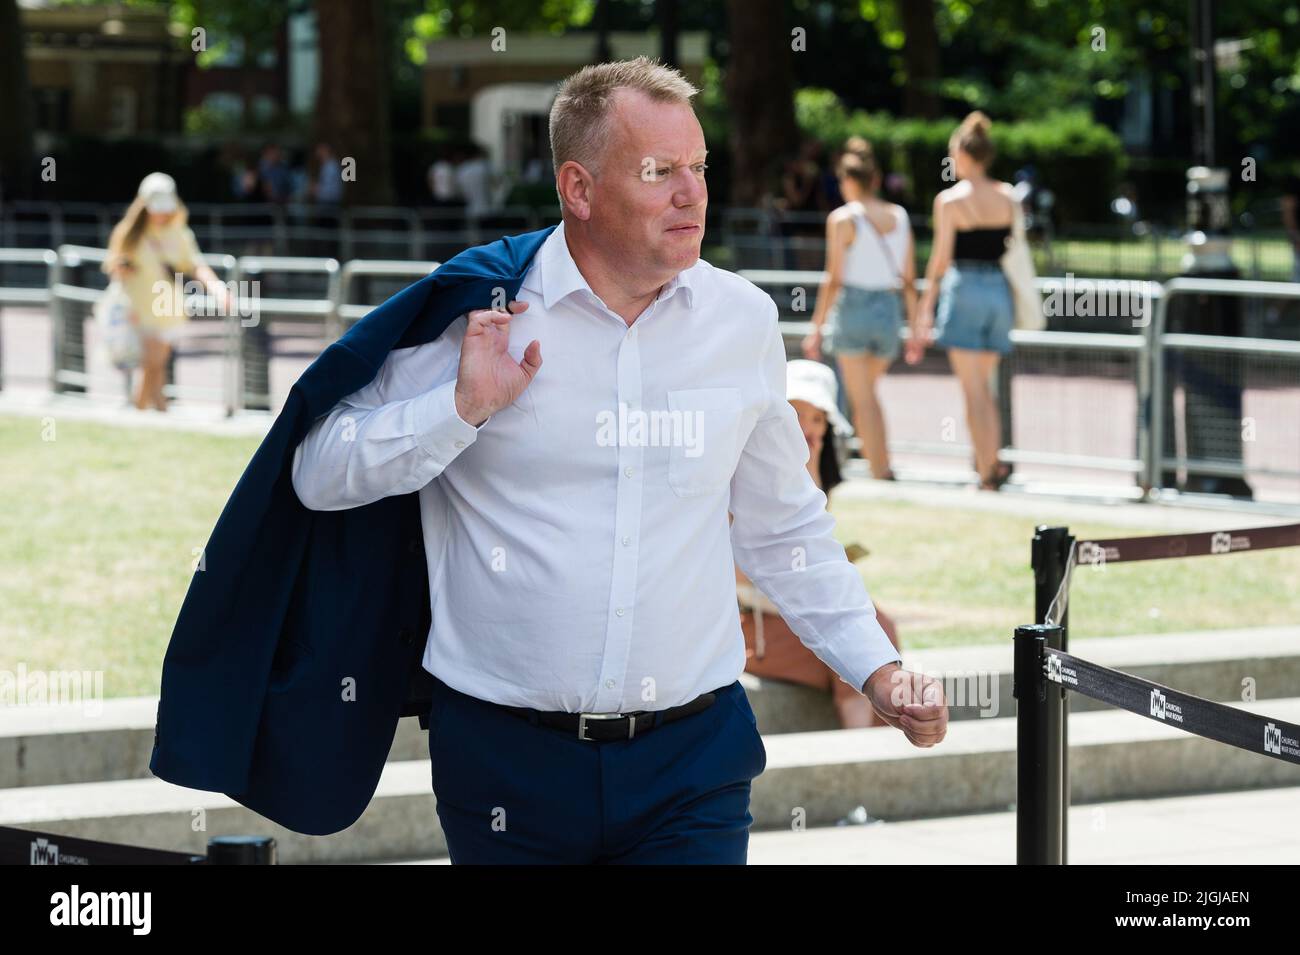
(580, 114)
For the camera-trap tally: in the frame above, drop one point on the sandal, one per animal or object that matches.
(1000, 477)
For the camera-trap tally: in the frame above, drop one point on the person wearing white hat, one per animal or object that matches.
(150, 251)
(772, 649)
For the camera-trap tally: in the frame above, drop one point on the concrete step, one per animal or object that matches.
(977, 680)
(102, 741)
(111, 740)
(816, 778)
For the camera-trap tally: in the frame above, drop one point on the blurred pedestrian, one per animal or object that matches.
(972, 225)
(327, 185)
(442, 178)
(474, 181)
(273, 175)
(1290, 205)
(149, 252)
(868, 293)
(772, 649)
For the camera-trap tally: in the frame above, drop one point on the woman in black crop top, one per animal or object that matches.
(974, 313)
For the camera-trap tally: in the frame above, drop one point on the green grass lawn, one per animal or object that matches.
(953, 576)
(97, 540)
(100, 525)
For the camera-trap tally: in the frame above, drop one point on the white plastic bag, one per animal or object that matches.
(117, 332)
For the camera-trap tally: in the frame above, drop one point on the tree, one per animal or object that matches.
(252, 27)
(352, 112)
(760, 93)
(15, 106)
(921, 54)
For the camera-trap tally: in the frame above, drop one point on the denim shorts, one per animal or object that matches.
(864, 320)
(975, 309)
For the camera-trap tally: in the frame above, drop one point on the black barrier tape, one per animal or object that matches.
(1120, 549)
(28, 847)
(1216, 721)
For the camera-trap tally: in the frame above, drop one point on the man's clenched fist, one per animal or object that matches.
(911, 702)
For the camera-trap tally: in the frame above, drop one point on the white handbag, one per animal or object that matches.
(117, 333)
(1018, 266)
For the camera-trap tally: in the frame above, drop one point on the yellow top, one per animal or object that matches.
(161, 254)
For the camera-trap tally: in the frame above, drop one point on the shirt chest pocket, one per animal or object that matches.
(703, 461)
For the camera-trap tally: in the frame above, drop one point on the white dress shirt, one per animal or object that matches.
(583, 566)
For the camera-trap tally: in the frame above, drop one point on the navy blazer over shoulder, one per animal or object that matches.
(299, 644)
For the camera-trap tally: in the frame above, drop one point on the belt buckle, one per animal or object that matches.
(582, 724)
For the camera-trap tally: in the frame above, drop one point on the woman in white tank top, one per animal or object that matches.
(870, 287)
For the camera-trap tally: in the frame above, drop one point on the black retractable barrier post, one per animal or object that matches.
(1040, 831)
(241, 850)
(1051, 557)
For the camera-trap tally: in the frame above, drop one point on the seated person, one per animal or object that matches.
(772, 649)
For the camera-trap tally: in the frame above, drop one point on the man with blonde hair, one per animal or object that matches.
(574, 451)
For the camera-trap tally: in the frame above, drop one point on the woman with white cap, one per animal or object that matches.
(772, 649)
(152, 245)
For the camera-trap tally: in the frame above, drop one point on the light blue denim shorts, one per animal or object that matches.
(864, 320)
(975, 309)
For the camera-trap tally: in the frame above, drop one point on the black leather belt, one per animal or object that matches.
(601, 727)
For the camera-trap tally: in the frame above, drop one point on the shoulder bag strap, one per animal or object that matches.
(893, 263)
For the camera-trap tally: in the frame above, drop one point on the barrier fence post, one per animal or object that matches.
(1040, 814)
(1002, 383)
(241, 850)
(255, 359)
(1050, 557)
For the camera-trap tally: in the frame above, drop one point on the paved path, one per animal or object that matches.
(1245, 828)
(1256, 828)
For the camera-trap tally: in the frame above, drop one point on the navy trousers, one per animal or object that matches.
(513, 791)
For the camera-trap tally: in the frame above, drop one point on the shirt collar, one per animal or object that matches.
(556, 274)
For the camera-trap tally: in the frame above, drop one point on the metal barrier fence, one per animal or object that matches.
(263, 290)
(76, 282)
(1208, 373)
(1094, 358)
(755, 238)
(292, 229)
(384, 278)
(23, 291)
(253, 342)
(1213, 371)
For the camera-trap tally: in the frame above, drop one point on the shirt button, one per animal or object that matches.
(460, 444)
(626, 541)
(609, 684)
(619, 611)
(627, 471)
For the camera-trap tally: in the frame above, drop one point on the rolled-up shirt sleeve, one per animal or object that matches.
(393, 436)
(782, 539)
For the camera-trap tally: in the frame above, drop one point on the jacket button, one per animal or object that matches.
(406, 635)
(412, 545)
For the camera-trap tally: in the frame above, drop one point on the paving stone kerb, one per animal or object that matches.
(814, 778)
(70, 744)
